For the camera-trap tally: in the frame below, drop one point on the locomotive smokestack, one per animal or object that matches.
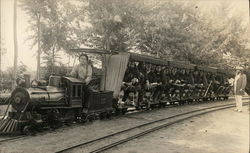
(27, 80)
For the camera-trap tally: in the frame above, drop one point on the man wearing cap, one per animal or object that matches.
(83, 71)
(239, 87)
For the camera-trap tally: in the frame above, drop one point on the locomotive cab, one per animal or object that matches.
(73, 91)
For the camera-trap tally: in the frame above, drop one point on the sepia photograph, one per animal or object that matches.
(124, 76)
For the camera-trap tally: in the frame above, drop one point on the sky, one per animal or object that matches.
(27, 55)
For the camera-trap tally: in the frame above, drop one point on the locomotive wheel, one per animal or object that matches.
(117, 112)
(90, 118)
(83, 118)
(137, 108)
(28, 130)
(54, 118)
(102, 116)
(109, 115)
(124, 111)
(69, 117)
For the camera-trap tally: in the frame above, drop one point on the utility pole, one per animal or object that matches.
(15, 44)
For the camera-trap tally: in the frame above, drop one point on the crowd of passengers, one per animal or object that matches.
(162, 82)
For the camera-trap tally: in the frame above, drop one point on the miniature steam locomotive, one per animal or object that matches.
(130, 80)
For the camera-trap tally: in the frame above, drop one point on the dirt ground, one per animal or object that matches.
(224, 131)
(221, 132)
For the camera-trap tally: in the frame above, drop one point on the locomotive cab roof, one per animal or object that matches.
(206, 68)
(73, 80)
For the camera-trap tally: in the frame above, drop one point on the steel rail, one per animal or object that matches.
(12, 138)
(112, 145)
(139, 126)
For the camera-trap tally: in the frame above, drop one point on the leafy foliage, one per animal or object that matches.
(174, 30)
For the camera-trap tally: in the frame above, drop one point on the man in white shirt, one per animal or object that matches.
(83, 71)
(239, 87)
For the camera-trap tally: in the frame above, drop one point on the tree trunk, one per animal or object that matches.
(0, 51)
(39, 47)
(15, 45)
(53, 60)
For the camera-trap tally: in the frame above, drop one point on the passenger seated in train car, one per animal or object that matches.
(198, 77)
(83, 71)
(197, 81)
(170, 73)
(150, 75)
(144, 70)
(132, 85)
(204, 79)
(187, 81)
(142, 67)
(217, 84)
(167, 73)
(189, 77)
(180, 83)
(184, 84)
(204, 85)
(214, 85)
(158, 78)
(171, 81)
(208, 84)
(190, 82)
(226, 86)
(175, 85)
(146, 74)
(182, 75)
(223, 84)
(131, 72)
(147, 85)
(165, 83)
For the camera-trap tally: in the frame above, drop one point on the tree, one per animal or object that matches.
(168, 29)
(15, 45)
(51, 21)
(35, 9)
(113, 24)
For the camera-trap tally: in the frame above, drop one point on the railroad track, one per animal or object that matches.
(112, 140)
(4, 139)
(11, 138)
